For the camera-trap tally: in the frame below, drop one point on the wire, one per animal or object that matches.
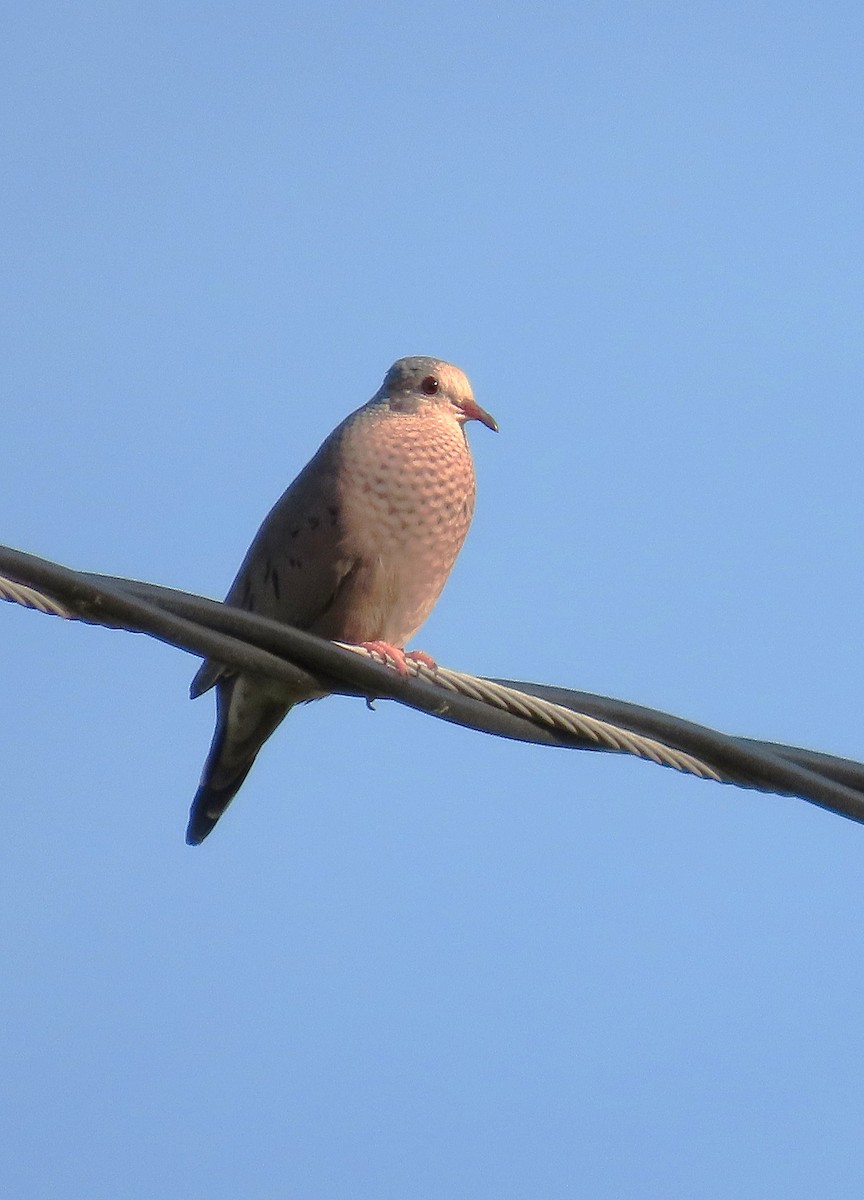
(506, 708)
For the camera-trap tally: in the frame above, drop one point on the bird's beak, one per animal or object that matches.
(473, 412)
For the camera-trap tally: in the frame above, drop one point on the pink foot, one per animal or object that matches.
(396, 657)
(422, 658)
(386, 651)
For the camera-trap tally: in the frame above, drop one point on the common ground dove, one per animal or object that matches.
(357, 549)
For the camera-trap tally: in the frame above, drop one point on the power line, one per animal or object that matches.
(530, 712)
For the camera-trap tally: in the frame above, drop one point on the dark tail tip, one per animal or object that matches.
(230, 759)
(210, 803)
(207, 808)
(201, 822)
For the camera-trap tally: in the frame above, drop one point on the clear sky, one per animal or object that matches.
(413, 961)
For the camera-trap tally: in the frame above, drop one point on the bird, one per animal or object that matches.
(357, 549)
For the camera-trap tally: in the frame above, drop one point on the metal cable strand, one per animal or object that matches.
(612, 737)
(28, 597)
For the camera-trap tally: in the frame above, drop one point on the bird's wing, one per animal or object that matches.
(296, 566)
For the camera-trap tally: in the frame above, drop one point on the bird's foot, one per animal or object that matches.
(422, 659)
(396, 657)
(390, 655)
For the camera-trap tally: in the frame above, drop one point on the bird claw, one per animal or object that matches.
(422, 659)
(391, 655)
(397, 658)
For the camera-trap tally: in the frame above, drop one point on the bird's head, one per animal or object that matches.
(421, 384)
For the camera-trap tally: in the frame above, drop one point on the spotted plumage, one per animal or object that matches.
(357, 549)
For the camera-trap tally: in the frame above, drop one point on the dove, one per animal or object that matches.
(357, 550)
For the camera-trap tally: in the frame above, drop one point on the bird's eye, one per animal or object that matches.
(429, 385)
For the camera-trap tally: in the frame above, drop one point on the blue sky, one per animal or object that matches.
(413, 961)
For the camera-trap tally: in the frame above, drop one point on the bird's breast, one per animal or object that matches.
(407, 502)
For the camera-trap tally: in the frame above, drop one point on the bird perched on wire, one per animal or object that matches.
(357, 550)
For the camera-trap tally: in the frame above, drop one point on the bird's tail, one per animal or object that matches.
(244, 720)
